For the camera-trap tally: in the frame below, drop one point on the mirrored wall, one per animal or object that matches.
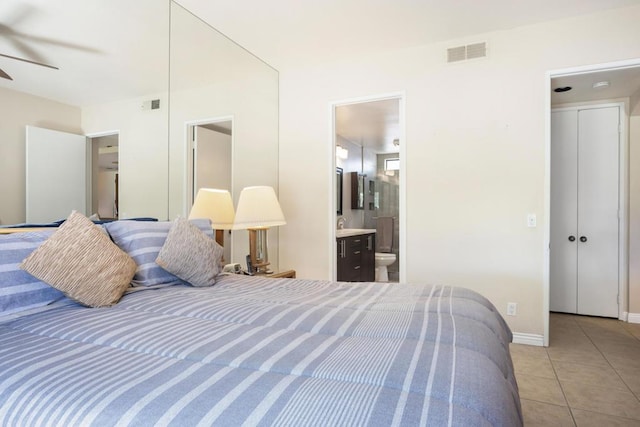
(152, 71)
(213, 80)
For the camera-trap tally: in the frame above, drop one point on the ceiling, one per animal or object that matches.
(623, 83)
(105, 50)
(107, 152)
(118, 49)
(373, 125)
(290, 33)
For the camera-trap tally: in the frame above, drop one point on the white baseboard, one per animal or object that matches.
(633, 317)
(528, 339)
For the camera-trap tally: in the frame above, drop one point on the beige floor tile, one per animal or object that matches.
(594, 419)
(599, 376)
(540, 389)
(587, 322)
(631, 378)
(585, 356)
(545, 414)
(633, 329)
(562, 317)
(533, 366)
(600, 399)
(624, 361)
(530, 351)
(616, 342)
(617, 335)
(597, 363)
(569, 337)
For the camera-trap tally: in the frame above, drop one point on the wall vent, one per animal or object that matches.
(470, 51)
(154, 104)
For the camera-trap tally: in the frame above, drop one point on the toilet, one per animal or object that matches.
(383, 260)
(384, 242)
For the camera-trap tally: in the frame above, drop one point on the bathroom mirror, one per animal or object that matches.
(213, 77)
(357, 190)
(339, 182)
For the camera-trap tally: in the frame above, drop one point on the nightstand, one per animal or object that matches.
(289, 274)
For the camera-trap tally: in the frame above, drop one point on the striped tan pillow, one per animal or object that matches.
(190, 254)
(80, 260)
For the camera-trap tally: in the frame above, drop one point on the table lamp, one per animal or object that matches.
(258, 209)
(217, 206)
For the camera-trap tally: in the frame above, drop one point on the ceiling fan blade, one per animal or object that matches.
(5, 75)
(29, 61)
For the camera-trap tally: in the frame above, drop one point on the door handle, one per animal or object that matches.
(583, 239)
(572, 238)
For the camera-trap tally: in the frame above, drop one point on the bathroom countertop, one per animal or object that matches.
(348, 232)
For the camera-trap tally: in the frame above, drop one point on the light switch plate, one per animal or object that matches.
(531, 220)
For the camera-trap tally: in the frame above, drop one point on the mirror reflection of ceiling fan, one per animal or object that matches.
(19, 39)
(4, 75)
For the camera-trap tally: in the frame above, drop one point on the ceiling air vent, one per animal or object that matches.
(470, 51)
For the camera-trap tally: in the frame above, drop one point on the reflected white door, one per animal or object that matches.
(56, 174)
(212, 166)
(584, 212)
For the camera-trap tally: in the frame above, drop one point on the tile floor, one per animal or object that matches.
(588, 376)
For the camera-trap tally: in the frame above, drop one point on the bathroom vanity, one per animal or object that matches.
(356, 255)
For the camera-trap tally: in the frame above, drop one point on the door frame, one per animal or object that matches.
(402, 245)
(623, 196)
(90, 165)
(189, 172)
(623, 208)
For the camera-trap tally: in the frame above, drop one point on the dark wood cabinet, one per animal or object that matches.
(357, 258)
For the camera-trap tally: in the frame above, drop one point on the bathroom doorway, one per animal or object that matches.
(104, 175)
(368, 145)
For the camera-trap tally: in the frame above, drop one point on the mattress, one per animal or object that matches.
(260, 351)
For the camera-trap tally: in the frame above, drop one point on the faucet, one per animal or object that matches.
(341, 221)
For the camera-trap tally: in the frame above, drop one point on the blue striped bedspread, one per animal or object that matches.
(259, 351)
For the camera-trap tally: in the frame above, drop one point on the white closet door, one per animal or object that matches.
(563, 289)
(56, 174)
(598, 176)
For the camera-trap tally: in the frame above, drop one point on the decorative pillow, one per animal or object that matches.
(143, 241)
(19, 290)
(190, 254)
(81, 261)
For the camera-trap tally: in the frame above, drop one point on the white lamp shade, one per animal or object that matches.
(258, 207)
(215, 205)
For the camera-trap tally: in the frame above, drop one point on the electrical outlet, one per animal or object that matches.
(512, 308)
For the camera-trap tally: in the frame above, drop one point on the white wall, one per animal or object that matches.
(17, 110)
(213, 162)
(475, 153)
(143, 153)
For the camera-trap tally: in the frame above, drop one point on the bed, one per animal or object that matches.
(261, 351)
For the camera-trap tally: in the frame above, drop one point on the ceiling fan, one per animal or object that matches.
(4, 75)
(6, 31)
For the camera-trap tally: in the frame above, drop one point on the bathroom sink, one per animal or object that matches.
(348, 232)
